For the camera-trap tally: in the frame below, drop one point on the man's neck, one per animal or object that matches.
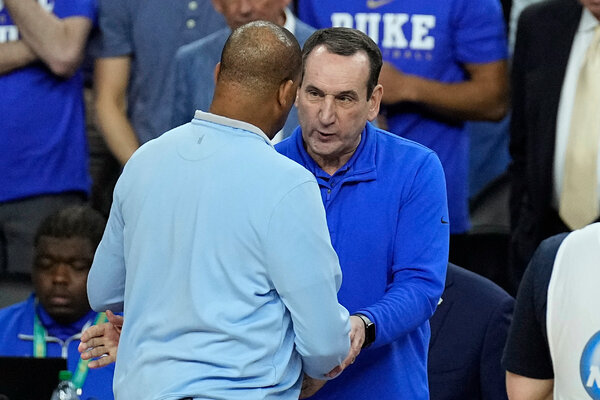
(242, 111)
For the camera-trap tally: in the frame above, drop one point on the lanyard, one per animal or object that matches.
(39, 348)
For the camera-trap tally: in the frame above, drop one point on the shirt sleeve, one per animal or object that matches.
(305, 272)
(527, 352)
(106, 280)
(115, 29)
(480, 35)
(420, 258)
(75, 8)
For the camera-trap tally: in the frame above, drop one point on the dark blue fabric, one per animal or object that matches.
(63, 332)
(468, 333)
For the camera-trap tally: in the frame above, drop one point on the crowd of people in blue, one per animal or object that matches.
(292, 216)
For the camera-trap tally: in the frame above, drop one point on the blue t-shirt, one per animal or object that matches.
(43, 147)
(150, 32)
(389, 228)
(16, 340)
(431, 39)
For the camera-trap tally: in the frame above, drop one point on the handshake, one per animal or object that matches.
(99, 344)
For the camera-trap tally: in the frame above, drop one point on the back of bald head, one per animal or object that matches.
(258, 57)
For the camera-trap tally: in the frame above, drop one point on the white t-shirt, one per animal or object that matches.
(573, 316)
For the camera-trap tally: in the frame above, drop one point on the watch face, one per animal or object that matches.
(369, 330)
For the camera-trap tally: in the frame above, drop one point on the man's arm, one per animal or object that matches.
(527, 359)
(305, 272)
(420, 257)
(484, 96)
(59, 43)
(111, 79)
(14, 55)
(106, 279)
(523, 388)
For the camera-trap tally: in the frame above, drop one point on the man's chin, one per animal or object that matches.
(62, 314)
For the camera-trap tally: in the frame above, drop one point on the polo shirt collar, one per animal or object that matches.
(232, 123)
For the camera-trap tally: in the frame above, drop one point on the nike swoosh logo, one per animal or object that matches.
(373, 4)
(444, 222)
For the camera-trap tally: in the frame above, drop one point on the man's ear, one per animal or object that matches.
(375, 102)
(287, 93)
(217, 5)
(216, 72)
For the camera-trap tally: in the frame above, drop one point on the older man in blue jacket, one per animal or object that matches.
(385, 201)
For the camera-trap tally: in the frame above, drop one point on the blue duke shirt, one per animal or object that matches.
(217, 248)
(43, 147)
(387, 216)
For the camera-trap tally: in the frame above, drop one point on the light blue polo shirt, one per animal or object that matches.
(218, 252)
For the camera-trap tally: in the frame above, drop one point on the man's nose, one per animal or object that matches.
(245, 7)
(60, 272)
(327, 111)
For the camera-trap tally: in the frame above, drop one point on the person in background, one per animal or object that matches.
(50, 322)
(43, 150)
(194, 63)
(554, 339)
(555, 126)
(468, 334)
(138, 41)
(445, 63)
(215, 232)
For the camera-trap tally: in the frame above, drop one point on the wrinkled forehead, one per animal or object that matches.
(325, 68)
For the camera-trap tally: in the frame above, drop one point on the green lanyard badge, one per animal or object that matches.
(39, 348)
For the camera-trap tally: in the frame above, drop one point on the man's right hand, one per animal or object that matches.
(101, 341)
(357, 338)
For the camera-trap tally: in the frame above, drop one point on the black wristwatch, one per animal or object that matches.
(369, 330)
